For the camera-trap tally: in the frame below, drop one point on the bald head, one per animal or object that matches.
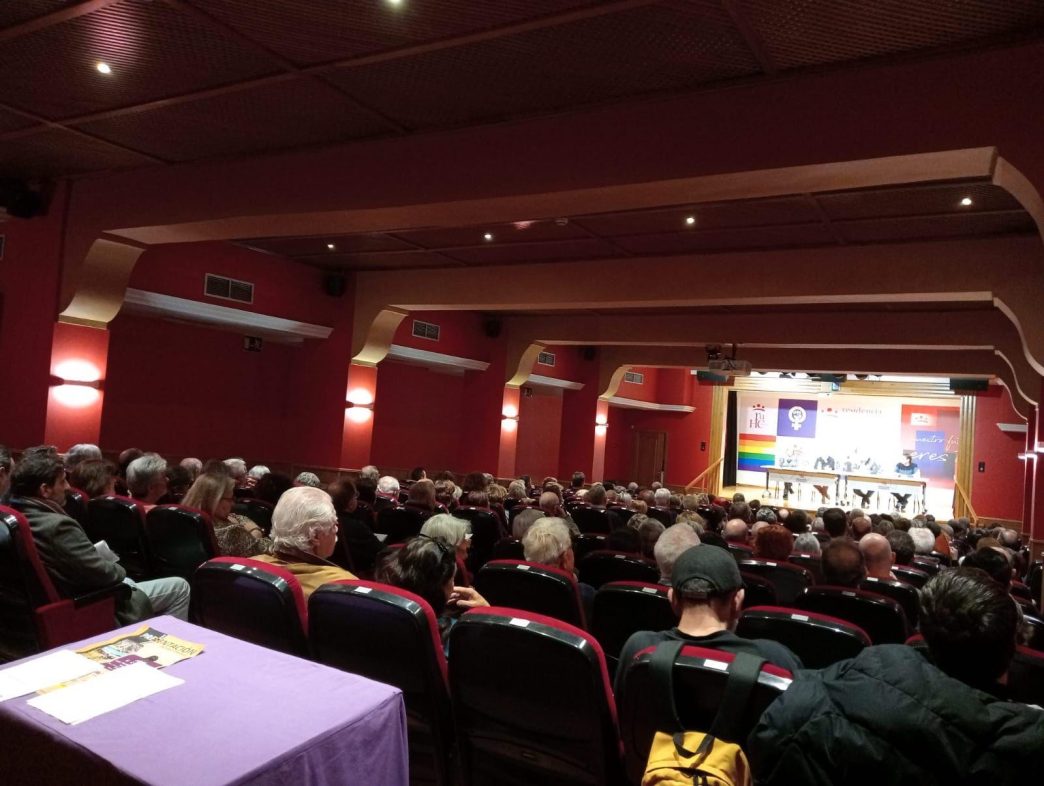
(736, 531)
(877, 553)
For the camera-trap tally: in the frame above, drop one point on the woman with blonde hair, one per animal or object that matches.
(237, 536)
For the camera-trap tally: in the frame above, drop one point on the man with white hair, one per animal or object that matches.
(255, 473)
(371, 472)
(193, 465)
(237, 470)
(387, 493)
(147, 479)
(548, 542)
(304, 535)
(307, 479)
(661, 507)
(81, 452)
(924, 540)
(670, 545)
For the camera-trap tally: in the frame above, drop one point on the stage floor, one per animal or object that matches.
(940, 501)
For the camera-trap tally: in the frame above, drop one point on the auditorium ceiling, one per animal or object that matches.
(101, 85)
(915, 212)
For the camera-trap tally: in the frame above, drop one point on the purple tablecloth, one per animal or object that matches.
(245, 715)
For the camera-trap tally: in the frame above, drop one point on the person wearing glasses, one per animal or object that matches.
(304, 534)
(236, 535)
(427, 566)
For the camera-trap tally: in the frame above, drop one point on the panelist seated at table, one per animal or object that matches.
(304, 533)
(906, 468)
(866, 466)
(427, 566)
(38, 488)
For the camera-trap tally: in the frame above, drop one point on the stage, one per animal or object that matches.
(940, 501)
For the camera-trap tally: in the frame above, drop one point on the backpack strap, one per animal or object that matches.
(743, 676)
(661, 668)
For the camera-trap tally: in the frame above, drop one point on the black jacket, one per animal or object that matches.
(888, 716)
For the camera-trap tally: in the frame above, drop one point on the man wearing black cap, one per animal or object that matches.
(707, 594)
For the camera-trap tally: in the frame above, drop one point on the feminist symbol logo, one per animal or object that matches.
(797, 417)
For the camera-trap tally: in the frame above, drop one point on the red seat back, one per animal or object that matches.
(818, 639)
(541, 589)
(120, 522)
(882, 618)
(601, 567)
(180, 539)
(625, 607)
(788, 579)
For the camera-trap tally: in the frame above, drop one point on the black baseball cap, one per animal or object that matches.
(713, 565)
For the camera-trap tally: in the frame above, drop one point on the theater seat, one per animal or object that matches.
(34, 615)
(817, 639)
(882, 618)
(929, 565)
(179, 539)
(251, 600)
(901, 592)
(120, 522)
(532, 704)
(257, 510)
(1026, 676)
(537, 588)
(758, 591)
(911, 575)
(590, 519)
(601, 567)
(586, 543)
(699, 681)
(76, 505)
(508, 548)
(625, 607)
(400, 523)
(391, 635)
(788, 579)
(486, 530)
(810, 562)
(740, 550)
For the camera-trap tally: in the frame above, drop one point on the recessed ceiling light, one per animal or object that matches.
(394, 2)
(488, 236)
(103, 68)
(331, 246)
(690, 220)
(966, 202)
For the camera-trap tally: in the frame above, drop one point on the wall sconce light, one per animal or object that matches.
(601, 425)
(358, 413)
(510, 411)
(509, 423)
(76, 384)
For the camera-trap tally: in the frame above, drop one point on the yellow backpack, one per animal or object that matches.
(692, 758)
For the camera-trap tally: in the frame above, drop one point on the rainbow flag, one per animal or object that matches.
(756, 451)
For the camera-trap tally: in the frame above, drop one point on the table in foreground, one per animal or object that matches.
(245, 715)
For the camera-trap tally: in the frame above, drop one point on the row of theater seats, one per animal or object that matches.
(525, 697)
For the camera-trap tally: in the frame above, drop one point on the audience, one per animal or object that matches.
(807, 543)
(707, 595)
(902, 546)
(736, 531)
(304, 534)
(923, 540)
(147, 479)
(356, 534)
(842, 563)
(548, 542)
(891, 715)
(81, 452)
(271, 487)
(451, 530)
(236, 536)
(878, 556)
(835, 522)
(193, 465)
(774, 542)
(94, 477)
(675, 540)
(307, 479)
(38, 488)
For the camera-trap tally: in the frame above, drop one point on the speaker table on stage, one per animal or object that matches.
(888, 484)
(814, 477)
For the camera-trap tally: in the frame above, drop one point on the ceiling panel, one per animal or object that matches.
(290, 114)
(808, 32)
(320, 31)
(746, 213)
(641, 51)
(729, 239)
(317, 246)
(154, 51)
(379, 261)
(56, 152)
(917, 200)
(517, 253)
(520, 232)
(932, 227)
(12, 121)
(14, 12)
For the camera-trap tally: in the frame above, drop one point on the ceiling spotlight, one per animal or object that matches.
(103, 68)
(966, 202)
(690, 220)
(394, 2)
(488, 236)
(331, 246)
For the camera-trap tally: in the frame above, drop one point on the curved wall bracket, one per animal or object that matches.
(103, 282)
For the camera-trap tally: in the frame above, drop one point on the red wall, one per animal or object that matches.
(461, 333)
(997, 492)
(539, 435)
(417, 418)
(192, 390)
(28, 308)
(647, 391)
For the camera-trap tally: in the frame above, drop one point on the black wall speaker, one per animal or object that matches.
(334, 284)
(969, 385)
(588, 353)
(492, 328)
(19, 200)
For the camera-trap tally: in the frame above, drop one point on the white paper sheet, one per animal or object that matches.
(104, 693)
(43, 672)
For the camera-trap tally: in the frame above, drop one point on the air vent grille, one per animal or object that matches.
(634, 377)
(546, 358)
(425, 330)
(228, 289)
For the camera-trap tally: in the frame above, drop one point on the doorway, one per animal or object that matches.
(650, 456)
